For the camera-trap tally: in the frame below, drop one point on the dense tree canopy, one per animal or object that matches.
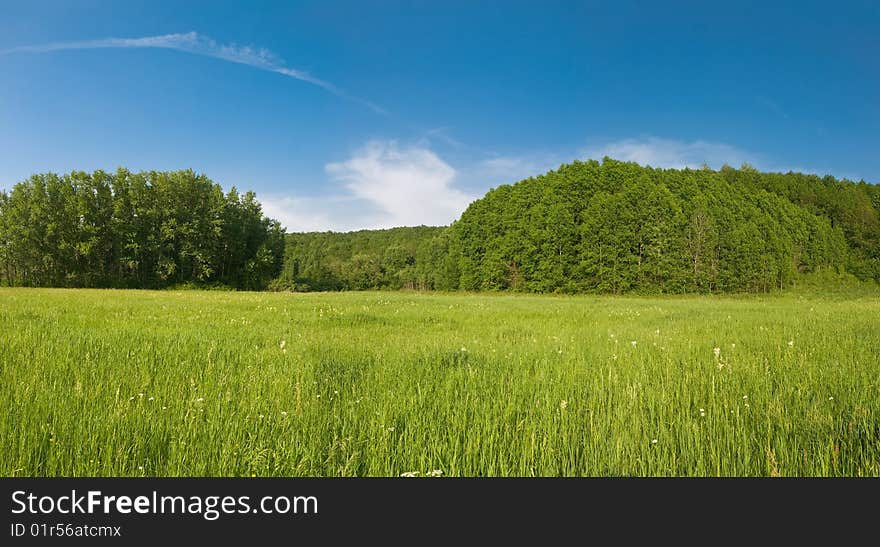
(413, 258)
(144, 230)
(608, 227)
(619, 227)
(615, 227)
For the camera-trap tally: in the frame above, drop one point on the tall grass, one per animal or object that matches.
(131, 383)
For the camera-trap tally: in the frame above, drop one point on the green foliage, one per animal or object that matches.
(144, 230)
(601, 227)
(398, 258)
(617, 227)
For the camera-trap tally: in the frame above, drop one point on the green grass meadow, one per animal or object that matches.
(190, 383)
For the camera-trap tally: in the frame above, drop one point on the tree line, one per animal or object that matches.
(602, 227)
(135, 230)
(615, 227)
(395, 258)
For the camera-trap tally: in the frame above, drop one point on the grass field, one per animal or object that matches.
(131, 383)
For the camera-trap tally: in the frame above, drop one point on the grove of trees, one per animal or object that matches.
(397, 258)
(136, 230)
(603, 227)
(615, 227)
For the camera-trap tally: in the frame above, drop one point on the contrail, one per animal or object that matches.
(192, 42)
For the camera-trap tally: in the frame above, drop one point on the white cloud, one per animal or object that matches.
(668, 153)
(192, 42)
(410, 186)
(382, 185)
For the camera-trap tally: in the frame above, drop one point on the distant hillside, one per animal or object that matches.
(615, 227)
(619, 227)
(367, 259)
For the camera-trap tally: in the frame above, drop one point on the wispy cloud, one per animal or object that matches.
(771, 105)
(192, 42)
(669, 153)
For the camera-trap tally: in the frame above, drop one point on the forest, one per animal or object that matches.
(586, 227)
(135, 230)
(615, 227)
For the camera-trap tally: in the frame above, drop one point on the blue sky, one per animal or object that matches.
(347, 115)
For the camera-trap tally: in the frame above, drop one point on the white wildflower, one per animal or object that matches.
(434, 473)
(790, 343)
(717, 352)
(653, 441)
(283, 343)
(634, 343)
(563, 404)
(410, 474)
